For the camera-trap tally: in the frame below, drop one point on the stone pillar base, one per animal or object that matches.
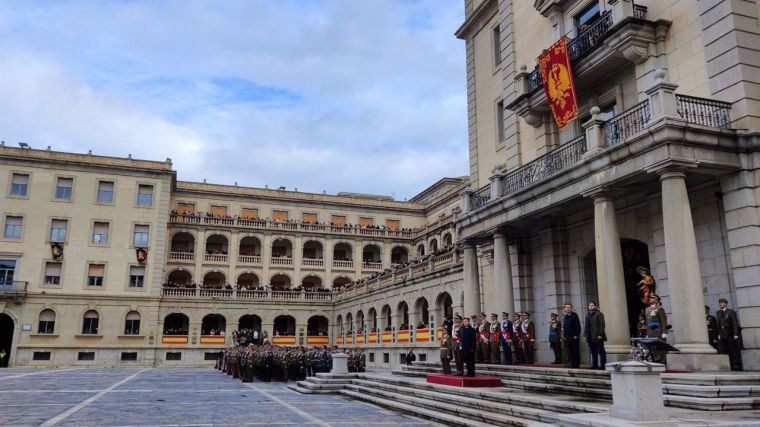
(340, 363)
(637, 391)
(698, 362)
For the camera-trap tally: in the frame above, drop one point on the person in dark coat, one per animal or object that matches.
(571, 327)
(468, 344)
(595, 336)
(728, 334)
(410, 357)
(712, 328)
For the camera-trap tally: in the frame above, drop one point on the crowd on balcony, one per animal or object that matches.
(212, 331)
(247, 336)
(322, 332)
(175, 331)
(400, 266)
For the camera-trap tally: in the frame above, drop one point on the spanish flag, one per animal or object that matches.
(557, 74)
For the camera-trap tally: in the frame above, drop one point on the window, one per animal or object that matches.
(364, 221)
(423, 357)
(95, 273)
(607, 112)
(19, 185)
(587, 17)
(174, 355)
(393, 224)
(105, 192)
(64, 188)
(211, 355)
(185, 208)
(338, 220)
(496, 46)
(41, 355)
(310, 218)
(141, 237)
(13, 227)
(280, 215)
(145, 195)
(387, 358)
(90, 324)
(7, 268)
(128, 356)
(219, 211)
(47, 322)
(372, 358)
(52, 273)
(100, 233)
(136, 276)
(132, 323)
(86, 355)
(250, 213)
(500, 121)
(58, 230)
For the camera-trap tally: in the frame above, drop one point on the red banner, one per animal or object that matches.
(557, 75)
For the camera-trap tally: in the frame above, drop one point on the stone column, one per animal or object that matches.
(684, 278)
(471, 281)
(502, 275)
(609, 275)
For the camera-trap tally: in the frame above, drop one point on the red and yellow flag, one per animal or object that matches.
(557, 75)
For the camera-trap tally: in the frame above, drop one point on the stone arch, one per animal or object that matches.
(313, 249)
(312, 282)
(176, 324)
(448, 239)
(214, 279)
(284, 324)
(349, 323)
(420, 249)
(387, 317)
(250, 245)
(217, 244)
(179, 277)
(213, 324)
(282, 247)
(343, 251)
(281, 281)
(402, 315)
(183, 241)
(248, 280)
(317, 325)
(444, 306)
(399, 255)
(423, 313)
(372, 323)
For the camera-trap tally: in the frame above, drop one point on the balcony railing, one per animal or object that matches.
(372, 265)
(313, 262)
(628, 123)
(249, 259)
(181, 256)
(296, 226)
(639, 12)
(11, 287)
(281, 261)
(706, 112)
(244, 294)
(481, 197)
(591, 37)
(215, 257)
(545, 166)
(343, 264)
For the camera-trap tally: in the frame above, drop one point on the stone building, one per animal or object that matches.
(660, 169)
(217, 258)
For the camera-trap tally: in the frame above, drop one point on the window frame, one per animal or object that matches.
(66, 232)
(129, 276)
(108, 233)
(28, 188)
(129, 327)
(21, 228)
(85, 329)
(152, 195)
(39, 322)
(113, 191)
(87, 276)
(70, 199)
(44, 273)
(134, 235)
(3, 278)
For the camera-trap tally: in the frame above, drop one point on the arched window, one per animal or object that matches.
(47, 322)
(90, 323)
(132, 323)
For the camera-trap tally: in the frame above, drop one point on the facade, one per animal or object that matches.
(659, 169)
(219, 258)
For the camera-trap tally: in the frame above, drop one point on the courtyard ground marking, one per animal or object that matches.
(65, 414)
(298, 411)
(6, 377)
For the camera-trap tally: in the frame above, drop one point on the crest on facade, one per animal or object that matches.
(56, 250)
(142, 255)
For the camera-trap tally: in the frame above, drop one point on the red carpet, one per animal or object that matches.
(476, 381)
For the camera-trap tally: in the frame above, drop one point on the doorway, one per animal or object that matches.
(6, 339)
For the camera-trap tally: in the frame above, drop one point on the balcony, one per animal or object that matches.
(249, 259)
(264, 224)
(247, 295)
(14, 290)
(317, 263)
(216, 258)
(703, 116)
(621, 36)
(372, 265)
(181, 256)
(346, 265)
(281, 261)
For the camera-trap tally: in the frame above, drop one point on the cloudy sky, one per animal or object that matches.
(336, 95)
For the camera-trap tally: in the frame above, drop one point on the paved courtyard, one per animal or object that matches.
(171, 396)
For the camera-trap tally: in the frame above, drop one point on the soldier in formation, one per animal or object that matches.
(357, 360)
(270, 361)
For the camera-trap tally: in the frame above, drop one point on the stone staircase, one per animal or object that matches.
(450, 405)
(700, 391)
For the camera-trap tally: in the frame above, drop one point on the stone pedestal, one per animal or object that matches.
(339, 363)
(637, 391)
(696, 362)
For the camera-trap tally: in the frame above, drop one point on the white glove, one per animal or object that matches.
(664, 336)
(736, 337)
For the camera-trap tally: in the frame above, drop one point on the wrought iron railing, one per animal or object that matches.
(706, 112)
(481, 197)
(630, 122)
(535, 80)
(639, 12)
(590, 37)
(13, 286)
(545, 166)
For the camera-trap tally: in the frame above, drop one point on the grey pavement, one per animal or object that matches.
(170, 397)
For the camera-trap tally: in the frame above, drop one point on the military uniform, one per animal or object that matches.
(445, 352)
(728, 336)
(517, 340)
(657, 324)
(455, 340)
(494, 337)
(506, 339)
(712, 328)
(528, 338)
(484, 349)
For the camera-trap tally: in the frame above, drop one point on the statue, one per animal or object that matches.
(647, 285)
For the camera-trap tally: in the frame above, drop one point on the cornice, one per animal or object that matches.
(484, 12)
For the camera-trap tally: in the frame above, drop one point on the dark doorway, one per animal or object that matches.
(635, 254)
(6, 338)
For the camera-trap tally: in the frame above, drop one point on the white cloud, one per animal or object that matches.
(374, 90)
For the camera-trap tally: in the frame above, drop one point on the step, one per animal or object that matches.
(713, 403)
(711, 390)
(320, 380)
(450, 407)
(529, 369)
(713, 379)
(500, 395)
(437, 416)
(321, 387)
